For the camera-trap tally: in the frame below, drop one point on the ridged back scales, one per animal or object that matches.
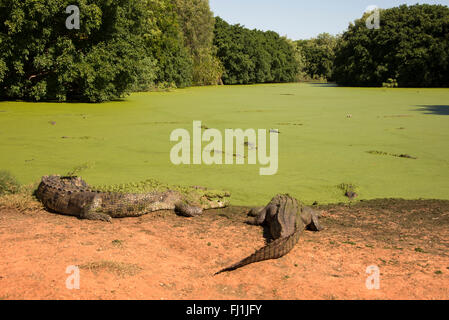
(285, 226)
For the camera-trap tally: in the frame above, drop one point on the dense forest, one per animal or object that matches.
(135, 45)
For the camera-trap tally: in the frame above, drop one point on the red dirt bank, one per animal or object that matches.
(163, 256)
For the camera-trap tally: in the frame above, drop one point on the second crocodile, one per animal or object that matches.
(286, 219)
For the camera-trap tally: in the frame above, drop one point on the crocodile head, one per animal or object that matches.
(207, 199)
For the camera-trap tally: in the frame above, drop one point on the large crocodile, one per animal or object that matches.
(73, 196)
(286, 219)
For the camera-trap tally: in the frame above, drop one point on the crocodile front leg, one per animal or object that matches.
(310, 219)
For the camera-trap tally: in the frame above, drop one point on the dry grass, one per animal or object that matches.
(22, 201)
(121, 269)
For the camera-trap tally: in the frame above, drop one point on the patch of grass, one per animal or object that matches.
(438, 272)
(419, 250)
(117, 268)
(347, 187)
(75, 171)
(22, 200)
(8, 183)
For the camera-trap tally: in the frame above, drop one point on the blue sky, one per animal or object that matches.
(300, 19)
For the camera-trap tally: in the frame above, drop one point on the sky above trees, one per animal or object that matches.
(301, 19)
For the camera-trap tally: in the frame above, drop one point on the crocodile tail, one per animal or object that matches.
(273, 250)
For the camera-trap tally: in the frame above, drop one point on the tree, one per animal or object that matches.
(197, 24)
(411, 48)
(318, 55)
(40, 59)
(253, 56)
(165, 44)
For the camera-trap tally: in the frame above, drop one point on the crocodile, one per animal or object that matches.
(70, 195)
(286, 220)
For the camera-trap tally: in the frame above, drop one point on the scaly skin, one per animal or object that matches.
(286, 219)
(72, 196)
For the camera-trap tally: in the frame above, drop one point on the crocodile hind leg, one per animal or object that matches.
(91, 212)
(187, 210)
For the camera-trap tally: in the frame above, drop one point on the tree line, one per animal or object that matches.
(133, 45)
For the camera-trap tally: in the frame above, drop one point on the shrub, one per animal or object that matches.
(391, 83)
(43, 60)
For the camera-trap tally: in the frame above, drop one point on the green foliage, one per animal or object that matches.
(253, 56)
(104, 60)
(390, 83)
(411, 46)
(165, 44)
(8, 183)
(207, 69)
(197, 23)
(317, 56)
(127, 45)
